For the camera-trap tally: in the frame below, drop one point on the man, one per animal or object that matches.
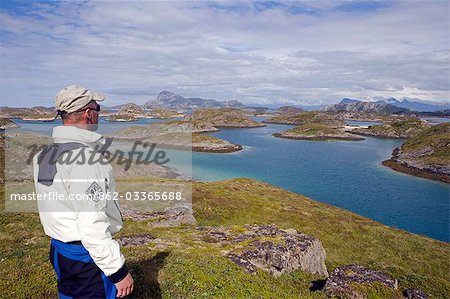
(87, 261)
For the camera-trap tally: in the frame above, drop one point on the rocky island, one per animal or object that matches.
(378, 107)
(128, 112)
(37, 113)
(223, 118)
(312, 126)
(290, 110)
(40, 117)
(162, 113)
(425, 155)
(257, 111)
(179, 134)
(402, 129)
(6, 123)
(306, 117)
(368, 117)
(211, 144)
(105, 112)
(132, 112)
(313, 131)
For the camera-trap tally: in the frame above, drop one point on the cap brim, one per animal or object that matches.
(98, 97)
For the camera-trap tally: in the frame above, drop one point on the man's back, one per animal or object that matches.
(86, 259)
(76, 173)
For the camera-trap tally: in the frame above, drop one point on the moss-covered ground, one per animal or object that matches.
(181, 265)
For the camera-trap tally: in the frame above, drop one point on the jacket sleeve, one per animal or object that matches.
(93, 222)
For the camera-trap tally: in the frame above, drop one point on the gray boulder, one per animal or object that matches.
(135, 240)
(341, 281)
(288, 251)
(172, 215)
(415, 294)
(176, 215)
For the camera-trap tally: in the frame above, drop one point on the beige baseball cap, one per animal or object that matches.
(74, 97)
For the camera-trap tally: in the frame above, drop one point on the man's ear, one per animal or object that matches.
(87, 114)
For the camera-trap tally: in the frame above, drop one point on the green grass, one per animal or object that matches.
(222, 117)
(25, 269)
(197, 138)
(307, 118)
(410, 126)
(317, 131)
(347, 237)
(314, 129)
(185, 265)
(436, 137)
(376, 290)
(299, 118)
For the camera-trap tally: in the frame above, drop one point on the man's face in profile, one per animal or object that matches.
(91, 114)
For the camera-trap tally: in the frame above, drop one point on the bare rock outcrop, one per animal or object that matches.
(415, 294)
(135, 240)
(175, 215)
(425, 155)
(284, 251)
(179, 214)
(341, 282)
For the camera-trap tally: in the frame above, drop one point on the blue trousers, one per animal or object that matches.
(78, 275)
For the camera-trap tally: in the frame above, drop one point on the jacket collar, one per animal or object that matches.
(64, 134)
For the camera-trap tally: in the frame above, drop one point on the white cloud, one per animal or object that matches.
(293, 52)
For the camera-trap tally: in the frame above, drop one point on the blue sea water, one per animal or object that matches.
(346, 174)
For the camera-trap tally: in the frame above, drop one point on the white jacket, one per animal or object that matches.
(92, 221)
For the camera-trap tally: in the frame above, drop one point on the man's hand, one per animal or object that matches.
(125, 286)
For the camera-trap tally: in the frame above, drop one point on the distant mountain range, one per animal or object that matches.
(290, 110)
(312, 107)
(349, 101)
(171, 100)
(416, 106)
(350, 105)
(278, 106)
(387, 106)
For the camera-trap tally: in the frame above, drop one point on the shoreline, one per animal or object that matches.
(193, 148)
(135, 119)
(376, 136)
(317, 138)
(239, 126)
(280, 123)
(198, 179)
(201, 149)
(394, 164)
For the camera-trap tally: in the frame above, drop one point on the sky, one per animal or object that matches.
(266, 53)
